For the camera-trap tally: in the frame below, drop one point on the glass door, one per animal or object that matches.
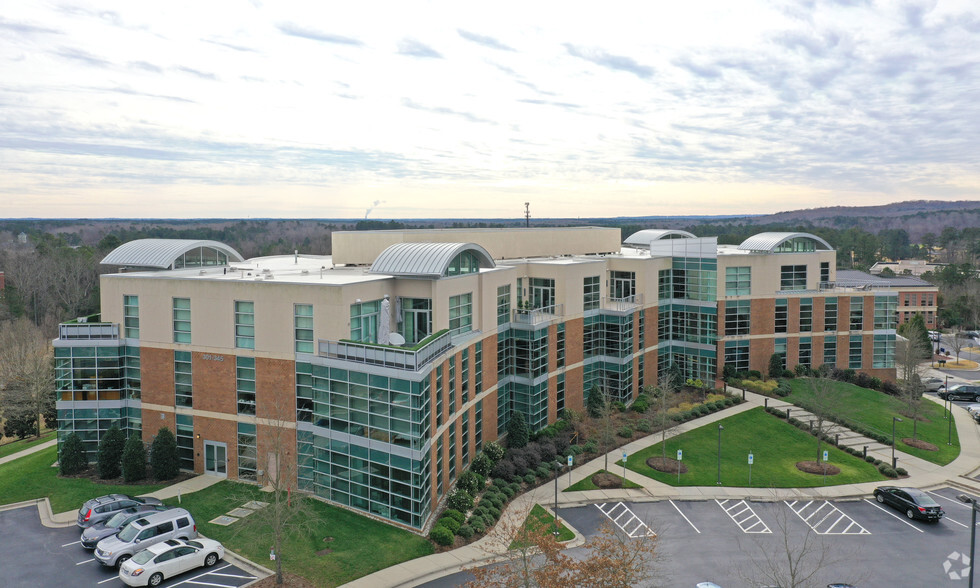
(216, 458)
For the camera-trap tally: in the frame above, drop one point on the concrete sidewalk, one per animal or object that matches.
(922, 474)
(34, 449)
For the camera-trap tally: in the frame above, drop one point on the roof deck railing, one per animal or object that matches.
(533, 316)
(385, 355)
(80, 331)
(623, 304)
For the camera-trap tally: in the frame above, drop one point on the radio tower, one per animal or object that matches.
(527, 214)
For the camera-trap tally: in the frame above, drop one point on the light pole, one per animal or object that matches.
(720, 429)
(894, 420)
(973, 530)
(557, 471)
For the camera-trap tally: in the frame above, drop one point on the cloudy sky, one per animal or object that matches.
(414, 109)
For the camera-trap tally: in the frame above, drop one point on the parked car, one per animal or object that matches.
(915, 503)
(99, 509)
(168, 559)
(961, 392)
(99, 531)
(157, 527)
(933, 384)
(934, 336)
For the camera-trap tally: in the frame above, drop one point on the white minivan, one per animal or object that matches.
(154, 528)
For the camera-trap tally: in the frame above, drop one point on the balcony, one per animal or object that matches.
(88, 331)
(387, 355)
(533, 316)
(625, 304)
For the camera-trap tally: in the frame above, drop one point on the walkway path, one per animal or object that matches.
(922, 474)
(35, 449)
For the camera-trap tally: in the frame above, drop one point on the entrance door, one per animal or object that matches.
(216, 458)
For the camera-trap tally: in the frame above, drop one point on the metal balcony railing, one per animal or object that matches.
(623, 304)
(386, 356)
(533, 316)
(80, 331)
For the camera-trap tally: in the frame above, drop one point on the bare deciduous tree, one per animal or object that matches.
(910, 353)
(26, 372)
(824, 405)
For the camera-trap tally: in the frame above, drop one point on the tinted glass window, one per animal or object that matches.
(165, 556)
(147, 533)
(101, 509)
(117, 520)
(128, 533)
(143, 556)
(182, 522)
(165, 528)
(182, 551)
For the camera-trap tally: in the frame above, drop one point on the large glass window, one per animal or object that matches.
(884, 351)
(854, 353)
(182, 320)
(737, 355)
(465, 263)
(245, 384)
(806, 315)
(857, 313)
(183, 379)
(131, 317)
(185, 441)
(591, 293)
(464, 376)
(560, 345)
(478, 367)
(461, 313)
(247, 452)
(886, 312)
(364, 321)
(806, 351)
(830, 351)
(830, 314)
(244, 324)
(824, 273)
(738, 281)
(737, 317)
(542, 292)
(781, 315)
(416, 319)
(622, 285)
(503, 304)
(303, 327)
(439, 394)
(792, 277)
(780, 348)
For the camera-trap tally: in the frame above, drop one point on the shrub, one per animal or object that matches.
(515, 488)
(482, 464)
(625, 432)
(529, 478)
(503, 470)
(802, 370)
(878, 462)
(459, 500)
(543, 471)
(591, 447)
(901, 471)
(869, 458)
(441, 535)
(618, 405)
(470, 482)
(494, 512)
(134, 459)
(887, 470)
(517, 431)
(595, 402)
(889, 387)
(547, 450)
(575, 449)
(72, 458)
(110, 453)
(776, 365)
(477, 524)
(450, 523)
(494, 451)
(163, 455)
(508, 492)
(495, 500)
(721, 404)
(499, 482)
(644, 426)
(729, 401)
(454, 514)
(465, 531)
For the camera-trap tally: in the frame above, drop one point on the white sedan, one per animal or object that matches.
(168, 559)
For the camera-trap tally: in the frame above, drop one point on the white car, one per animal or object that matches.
(168, 559)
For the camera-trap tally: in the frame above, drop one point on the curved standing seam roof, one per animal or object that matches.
(425, 259)
(647, 236)
(161, 253)
(770, 241)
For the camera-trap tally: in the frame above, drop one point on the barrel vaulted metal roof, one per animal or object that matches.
(161, 253)
(770, 241)
(425, 259)
(646, 236)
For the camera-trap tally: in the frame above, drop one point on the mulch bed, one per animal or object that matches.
(668, 465)
(289, 581)
(606, 480)
(812, 467)
(92, 474)
(919, 444)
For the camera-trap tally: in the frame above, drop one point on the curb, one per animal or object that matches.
(249, 566)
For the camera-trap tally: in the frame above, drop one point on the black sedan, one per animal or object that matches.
(915, 503)
(961, 392)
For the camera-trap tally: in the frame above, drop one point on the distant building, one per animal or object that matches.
(22, 238)
(907, 267)
(915, 295)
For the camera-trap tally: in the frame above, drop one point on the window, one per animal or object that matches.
(806, 351)
(857, 313)
(245, 384)
(439, 396)
(183, 379)
(830, 351)
(886, 313)
(830, 314)
(478, 427)
(591, 293)
(464, 376)
(452, 451)
(478, 367)
(131, 317)
(439, 448)
(622, 285)
(247, 452)
(452, 386)
(737, 317)
(465, 263)
(503, 304)
(738, 281)
(806, 315)
(185, 441)
(182, 320)
(792, 277)
(780, 348)
(364, 321)
(542, 293)
(560, 345)
(461, 313)
(464, 440)
(883, 352)
(781, 315)
(244, 325)
(303, 327)
(560, 393)
(854, 353)
(737, 355)
(416, 319)
(824, 273)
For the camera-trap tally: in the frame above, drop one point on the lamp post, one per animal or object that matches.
(720, 429)
(894, 420)
(973, 530)
(557, 471)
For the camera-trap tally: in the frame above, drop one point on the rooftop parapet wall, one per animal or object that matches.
(363, 247)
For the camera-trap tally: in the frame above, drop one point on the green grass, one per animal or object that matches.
(875, 410)
(33, 477)
(587, 484)
(544, 523)
(360, 545)
(22, 444)
(775, 444)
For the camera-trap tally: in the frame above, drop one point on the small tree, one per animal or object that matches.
(163, 455)
(517, 432)
(72, 458)
(776, 365)
(110, 453)
(134, 460)
(595, 401)
(909, 355)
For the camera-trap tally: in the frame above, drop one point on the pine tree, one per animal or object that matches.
(163, 455)
(595, 403)
(517, 432)
(72, 458)
(110, 453)
(134, 459)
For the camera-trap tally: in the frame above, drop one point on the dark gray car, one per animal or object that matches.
(92, 535)
(961, 392)
(99, 509)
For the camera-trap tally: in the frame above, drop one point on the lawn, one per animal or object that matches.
(22, 444)
(587, 484)
(33, 477)
(875, 411)
(359, 546)
(776, 447)
(544, 523)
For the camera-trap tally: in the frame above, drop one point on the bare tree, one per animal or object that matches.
(824, 405)
(616, 560)
(661, 419)
(958, 341)
(73, 278)
(910, 353)
(26, 372)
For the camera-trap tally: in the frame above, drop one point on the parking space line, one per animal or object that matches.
(85, 562)
(957, 522)
(635, 532)
(876, 505)
(109, 579)
(817, 526)
(207, 584)
(741, 523)
(232, 576)
(685, 518)
(74, 543)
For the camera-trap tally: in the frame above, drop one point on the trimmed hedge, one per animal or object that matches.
(442, 535)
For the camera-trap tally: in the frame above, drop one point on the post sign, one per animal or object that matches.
(750, 459)
(624, 456)
(825, 454)
(680, 455)
(570, 460)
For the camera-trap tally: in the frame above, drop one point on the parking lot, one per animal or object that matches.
(712, 540)
(33, 555)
